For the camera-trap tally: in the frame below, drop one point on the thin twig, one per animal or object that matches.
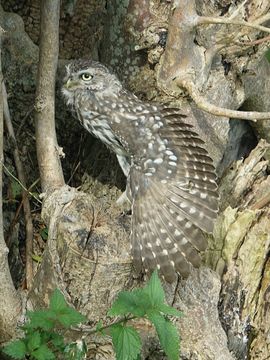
(22, 179)
(262, 19)
(262, 202)
(203, 104)
(203, 20)
(254, 42)
(238, 9)
(21, 184)
(95, 330)
(15, 218)
(24, 120)
(73, 172)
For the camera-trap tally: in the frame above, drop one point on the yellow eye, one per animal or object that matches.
(86, 76)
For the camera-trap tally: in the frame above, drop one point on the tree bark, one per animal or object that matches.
(9, 299)
(48, 152)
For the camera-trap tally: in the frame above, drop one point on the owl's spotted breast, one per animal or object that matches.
(171, 179)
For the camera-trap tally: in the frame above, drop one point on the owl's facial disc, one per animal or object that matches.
(77, 81)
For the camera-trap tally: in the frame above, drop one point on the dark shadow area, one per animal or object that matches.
(242, 139)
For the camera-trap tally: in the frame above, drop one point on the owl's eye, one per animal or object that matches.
(86, 76)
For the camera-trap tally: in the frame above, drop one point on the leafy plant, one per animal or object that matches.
(267, 54)
(148, 302)
(16, 189)
(43, 339)
(44, 233)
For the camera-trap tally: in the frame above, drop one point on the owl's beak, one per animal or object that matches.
(68, 84)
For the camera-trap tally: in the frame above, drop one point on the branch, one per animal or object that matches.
(254, 42)
(262, 202)
(51, 173)
(22, 179)
(262, 19)
(203, 20)
(21, 184)
(90, 330)
(10, 305)
(203, 104)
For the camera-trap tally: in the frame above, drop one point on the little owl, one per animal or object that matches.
(170, 177)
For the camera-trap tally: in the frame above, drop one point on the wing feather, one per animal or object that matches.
(174, 198)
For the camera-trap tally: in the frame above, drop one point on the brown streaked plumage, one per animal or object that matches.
(171, 179)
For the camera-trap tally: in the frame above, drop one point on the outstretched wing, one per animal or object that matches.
(174, 196)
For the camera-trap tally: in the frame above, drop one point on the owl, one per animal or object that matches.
(171, 181)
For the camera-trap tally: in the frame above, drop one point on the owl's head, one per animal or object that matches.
(90, 76)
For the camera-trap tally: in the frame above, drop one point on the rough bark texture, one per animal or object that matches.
(240, 253)
(87, 257)
(10, 302)
(48, 152)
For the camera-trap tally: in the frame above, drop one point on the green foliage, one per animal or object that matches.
(44, 233)
(43, 338)
(76, 350)
(147, 302)
(167, 333)
(36, 258)
(16, 189)
(267, 54)
(126, 342)
(16, 349)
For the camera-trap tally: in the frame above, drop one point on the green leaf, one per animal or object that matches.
(66, 315)
(267, 54)
(70, 317)
(36, 258)
(15, 349)
(168, 335)
(99, 327)
(169, 310)
(134, 302)
(43, 319)
(16, 189)
(44, 232)
(43, 353)
(33, 341)
(154, 290)
(76, 350)
(57, 340)
(126, 342)
(57, 301)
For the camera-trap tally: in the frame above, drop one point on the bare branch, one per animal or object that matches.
(21, 184)
(26, 203)
(10, 305)
(203, 20)
(262, 202)
(203, 104)
(262, 19)
(252, 43)
(51, 174)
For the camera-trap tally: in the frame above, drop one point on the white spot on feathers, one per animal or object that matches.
(158, 161)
